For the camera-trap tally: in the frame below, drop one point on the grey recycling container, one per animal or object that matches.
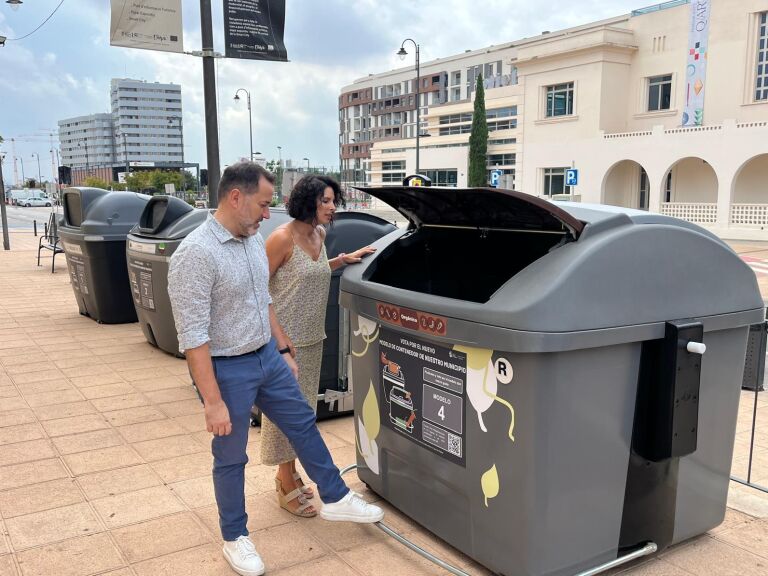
(165, 222)
(547, 387)
(93, 231)
(350, 231)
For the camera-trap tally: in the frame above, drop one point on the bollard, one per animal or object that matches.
(45, 229)
(34, 223)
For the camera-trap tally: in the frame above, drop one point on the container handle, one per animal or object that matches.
(696, 347)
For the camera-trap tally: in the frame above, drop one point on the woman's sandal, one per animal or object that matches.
(306, 490)
(285, 499)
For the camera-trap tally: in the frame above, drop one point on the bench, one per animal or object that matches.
(50, 241)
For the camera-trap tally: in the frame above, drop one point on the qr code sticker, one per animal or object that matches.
(454, 445)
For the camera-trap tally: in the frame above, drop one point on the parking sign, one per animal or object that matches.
(495, 178)
(571, 177)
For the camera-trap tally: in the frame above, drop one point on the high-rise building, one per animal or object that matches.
(147, 122)
(663, 109)
(144, 130)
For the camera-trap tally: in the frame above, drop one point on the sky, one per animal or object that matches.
(64, 69)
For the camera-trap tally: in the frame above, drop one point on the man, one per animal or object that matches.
(218, 284)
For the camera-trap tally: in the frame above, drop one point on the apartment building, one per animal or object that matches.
(652, 115)
(144, 130)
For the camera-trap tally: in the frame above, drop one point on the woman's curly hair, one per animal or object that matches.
(302, 203)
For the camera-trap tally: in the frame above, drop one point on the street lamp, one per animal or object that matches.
(250, 119)
(307, 159)
(181, 132)
(14, 4)
(84, 143)
(3, 215)
(402, 53)
(39, 176)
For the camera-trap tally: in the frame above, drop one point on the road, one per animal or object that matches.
(21, 218)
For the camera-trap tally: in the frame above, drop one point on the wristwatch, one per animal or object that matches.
(286, 350)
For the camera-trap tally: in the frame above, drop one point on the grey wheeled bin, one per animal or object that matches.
(164, 223)
(547, 388)
(350, 231)
(93, 232)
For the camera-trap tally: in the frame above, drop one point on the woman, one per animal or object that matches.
(300, 276)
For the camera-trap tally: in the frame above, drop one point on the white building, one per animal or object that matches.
(87, 141)
(608, 99)
(147, 121)
(144, 130)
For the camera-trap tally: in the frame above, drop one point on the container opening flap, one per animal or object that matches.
(483, 208)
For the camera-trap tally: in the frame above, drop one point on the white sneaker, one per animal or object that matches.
(351, 508)
(243, 558)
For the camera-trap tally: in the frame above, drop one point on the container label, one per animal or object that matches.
(76, 266)
(413, 319)
(140, 275)
(423, 393)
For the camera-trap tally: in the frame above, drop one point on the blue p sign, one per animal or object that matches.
(571, 177)
(495, 178)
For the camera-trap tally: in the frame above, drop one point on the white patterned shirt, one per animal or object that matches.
(219, 290)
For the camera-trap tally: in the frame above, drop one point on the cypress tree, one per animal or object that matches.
(478, 140)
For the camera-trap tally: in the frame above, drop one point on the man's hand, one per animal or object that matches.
(217, 419)
(291, 364)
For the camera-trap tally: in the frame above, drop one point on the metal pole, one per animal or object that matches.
(250, 124)
(418, 109)
(3, 215)
(23, 177)
(39, 174)
(209, 91)
(127, 164)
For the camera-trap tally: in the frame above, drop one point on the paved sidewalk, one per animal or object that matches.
(105, 464)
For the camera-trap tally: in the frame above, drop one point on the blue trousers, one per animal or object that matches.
(263, 378)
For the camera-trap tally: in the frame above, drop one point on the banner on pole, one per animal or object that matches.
(148, 24)
(696, 69)
(253, 29)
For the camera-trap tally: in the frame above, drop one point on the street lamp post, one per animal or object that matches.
(402, 53)
(3, 215)
(181, 132)
(307, 159)
(39, 175)
(23, 176)
(250, 119)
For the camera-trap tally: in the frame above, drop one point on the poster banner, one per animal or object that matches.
(696, 70)
(253, 29)
(148, 24)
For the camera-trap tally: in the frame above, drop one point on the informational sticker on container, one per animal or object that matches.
(77, 273)
(423, 393)
(140, 276)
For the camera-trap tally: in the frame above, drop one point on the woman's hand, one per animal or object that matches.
(357, 256)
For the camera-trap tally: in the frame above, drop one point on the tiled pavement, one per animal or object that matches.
(105, 467)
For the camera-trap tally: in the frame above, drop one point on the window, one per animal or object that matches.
(659, 92)
(460, 129)
(501, 112)
(554, 182)
(393, 177)
(442, 177)
(501, 141)
(761, 82)
(502, 125)
(393, 165)
(500, 159)
(454, 118)
(560, 100)
(668, 188)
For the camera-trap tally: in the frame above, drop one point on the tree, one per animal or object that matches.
(94, 182)
(478, 140)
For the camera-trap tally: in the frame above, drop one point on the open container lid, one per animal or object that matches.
(481, 208)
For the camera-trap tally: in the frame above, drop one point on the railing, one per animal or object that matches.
(755, 215)
(657, 7)
(696, 212)
(754, 376)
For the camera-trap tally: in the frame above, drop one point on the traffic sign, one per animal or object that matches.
(572, 177)
(496, 178)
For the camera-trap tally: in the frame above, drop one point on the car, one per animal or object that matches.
(34, 201)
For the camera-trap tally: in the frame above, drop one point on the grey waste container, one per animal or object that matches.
(529, 381)
(165, 222)
(93, 232)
